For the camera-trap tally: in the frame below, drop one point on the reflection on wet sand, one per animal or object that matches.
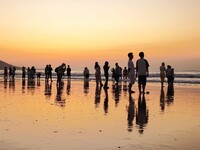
(106, 101)
(60, 99)
(48, 89)
(68, 86)
(116, 90)
(31, 86)
(142, 113)
(97, 96)
(86, 86)
(170, 94)
(162, 99)
(131, 113)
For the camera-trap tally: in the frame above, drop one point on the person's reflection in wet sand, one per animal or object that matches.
(60, 100)
(68, 86)
(86, 86)
(31, 86)
(142, 113)
(23, 85)
(38, 82)
(48, 89)
(125, 87)
(97, 96)
(170, 94)
(12, 85)
(162, 99)
(106, 101)
(131, 113)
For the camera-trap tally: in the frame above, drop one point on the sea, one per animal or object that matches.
(185, 77)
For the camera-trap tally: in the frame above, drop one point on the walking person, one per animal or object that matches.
(5, 73)
(131, 72)
(142, 71)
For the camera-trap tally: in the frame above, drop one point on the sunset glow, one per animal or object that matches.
(48, 31)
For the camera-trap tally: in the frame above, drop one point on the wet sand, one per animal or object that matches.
(36, 116)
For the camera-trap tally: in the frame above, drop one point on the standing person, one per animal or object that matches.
(68, 72)
(60, 72)
(46, 73)
(13, 73)
(106, 74)
(98, 74)
(125, 73)
(23, 73)
(5, 73)
(86, 73)
(10, 72)
(117, 73)
(50, 72)
(169, 74)
(131, 72)
(142, 71)
(162, 73)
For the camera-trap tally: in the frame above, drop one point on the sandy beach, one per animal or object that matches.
(38, 116)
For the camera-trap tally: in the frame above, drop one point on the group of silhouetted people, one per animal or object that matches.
(9, 73)
(166, 72)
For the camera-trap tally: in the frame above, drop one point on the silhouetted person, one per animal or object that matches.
(13, 73)
(169, 74)
(50, 69)
(142, 113)
(68, 72)
(29, 73)
(5, 73)
(131, 72)
(10, 73)
(106, 73)
(60, 72)
(117, 73)
(162, 73)
(23, 73)
(162, 99)
(125, 73)
(32, 72)
(113, 73)
(131, 113)
(172, 75)
(38, 76)
(98, 74)
(86, 73)
(46, 72)
(142, 71)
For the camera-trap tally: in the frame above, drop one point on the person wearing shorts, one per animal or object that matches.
(142, 71)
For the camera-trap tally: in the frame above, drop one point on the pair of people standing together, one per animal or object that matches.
(142, 72)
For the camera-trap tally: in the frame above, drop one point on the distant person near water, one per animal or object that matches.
(142, 71)
(170, 74)
(5, 73)
(125, 73)
(68, 72)
(117, 73)
(86, 73)
(106, 73)
(131, 72)
(98, 74)
(60, 72)
(162, 73)
(23, 73)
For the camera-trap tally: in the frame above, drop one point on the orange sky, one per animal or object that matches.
(80, 32)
